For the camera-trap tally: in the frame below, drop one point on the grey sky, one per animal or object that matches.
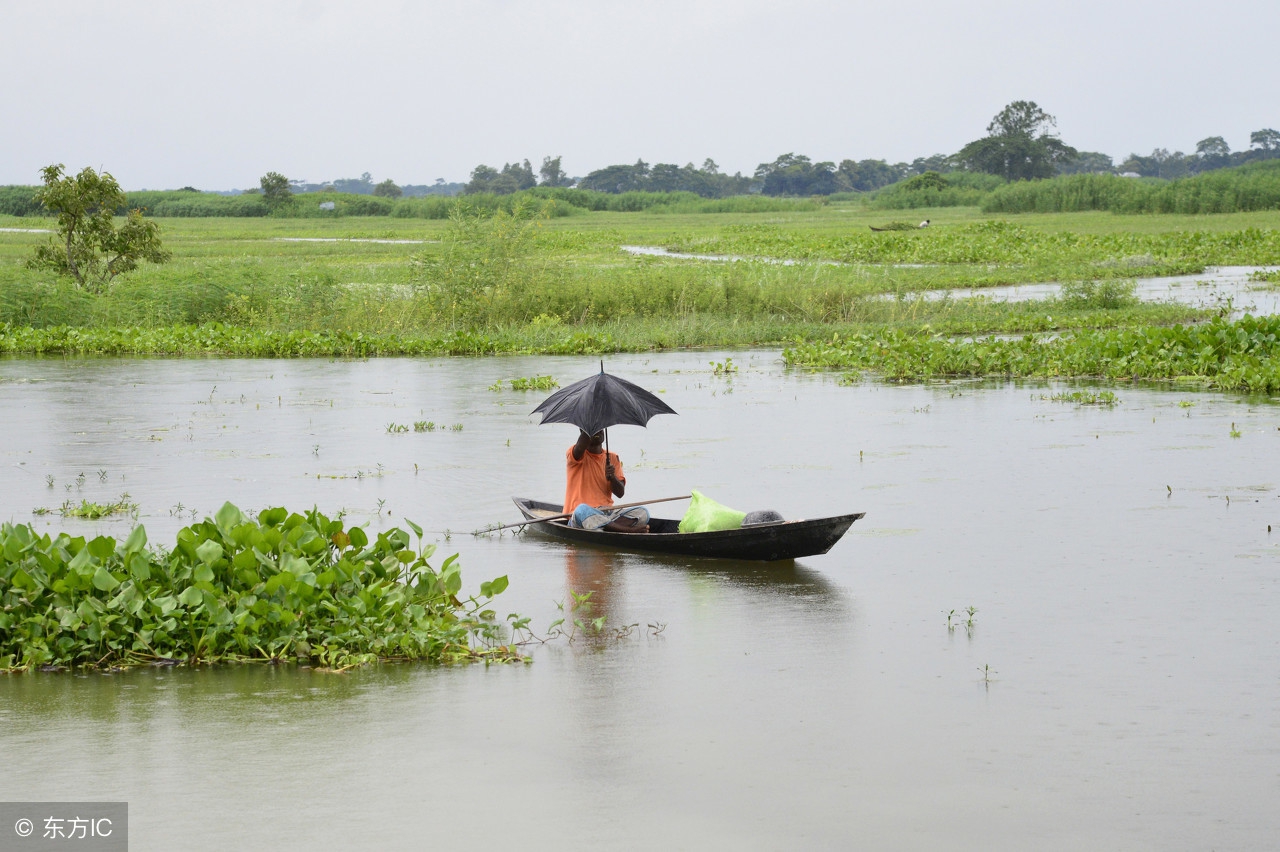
(166, 94)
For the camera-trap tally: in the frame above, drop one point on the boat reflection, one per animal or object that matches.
(601, 572)
(594, 572)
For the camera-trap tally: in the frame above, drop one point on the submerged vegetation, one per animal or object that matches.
(279, 587)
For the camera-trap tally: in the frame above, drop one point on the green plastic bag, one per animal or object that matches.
(706, 515)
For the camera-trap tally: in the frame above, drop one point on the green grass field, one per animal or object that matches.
(275, 286)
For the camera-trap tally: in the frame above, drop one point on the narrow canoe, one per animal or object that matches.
(762, 542)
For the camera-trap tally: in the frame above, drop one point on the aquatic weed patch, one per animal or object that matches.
(1243, 355)
(1042, 253)
(283, 586)
(218, 339)
(1106, 399)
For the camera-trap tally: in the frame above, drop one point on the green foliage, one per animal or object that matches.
(1105, 399)
(89, 247)
(955, 189)
(484, 259)
(20, 201)
(275, 190)
(527, 383)
(1020, 145)
(1235, 356)
(1103, 295)
(928, 180)
(1250, 187)
(234, 588)
(513, 178)
(93, 511)
(188, 205)
(796, 174)
(388, 189)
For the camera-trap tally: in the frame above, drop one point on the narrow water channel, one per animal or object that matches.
(1118, 686)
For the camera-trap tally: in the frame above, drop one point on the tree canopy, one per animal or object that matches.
(388, 189)
(1021, 145)
(89, 247)
(276, 190)
(513, 178)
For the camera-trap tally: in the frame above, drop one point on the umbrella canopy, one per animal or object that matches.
(601, 401)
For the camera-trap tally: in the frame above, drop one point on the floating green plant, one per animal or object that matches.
(724, 368)
(1086, 398)
(1102, 398)
(282, 586)
(93, 511)
(543, 383)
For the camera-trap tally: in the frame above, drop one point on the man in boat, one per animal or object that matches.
(593, 477)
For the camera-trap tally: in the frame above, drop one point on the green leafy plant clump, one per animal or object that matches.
(283, 586)
(1106, 399)
(1243, 355)
(527, 383)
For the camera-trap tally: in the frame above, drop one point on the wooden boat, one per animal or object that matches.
(762, 542)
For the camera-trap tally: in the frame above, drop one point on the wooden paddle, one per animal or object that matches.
(570, 514)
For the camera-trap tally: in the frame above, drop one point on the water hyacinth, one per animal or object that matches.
(1243, 355)
(283, 586)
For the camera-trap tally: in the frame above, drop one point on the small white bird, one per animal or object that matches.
(924, 224)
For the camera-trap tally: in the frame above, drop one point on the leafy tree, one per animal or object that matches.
(552, 174)
(355, 186)
(866, 175)
(89, 247)
(1020, 145)
(1214, 146)
(1161, 164)
(1211, 153)
(936, 163)
(708, 181)
(795, 174)
(1265, 139)
(928, 180)
(1087, 163)
(513, 178)
(275, 190)
(388, 189)
(618, 178)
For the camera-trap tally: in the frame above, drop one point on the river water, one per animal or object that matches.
(1118, 687)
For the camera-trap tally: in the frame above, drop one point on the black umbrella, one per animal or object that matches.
(601, 401)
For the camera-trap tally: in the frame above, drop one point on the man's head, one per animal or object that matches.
(594, 442)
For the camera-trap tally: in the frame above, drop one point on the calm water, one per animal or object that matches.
(1129, 632)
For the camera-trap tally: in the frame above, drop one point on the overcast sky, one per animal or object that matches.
(215, 94)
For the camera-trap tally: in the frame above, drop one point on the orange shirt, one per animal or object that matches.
(585, 481)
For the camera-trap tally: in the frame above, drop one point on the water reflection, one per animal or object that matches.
(1127, 607)
(588, 571)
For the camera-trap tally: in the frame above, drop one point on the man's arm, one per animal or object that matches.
(617, 486)
(584, 440)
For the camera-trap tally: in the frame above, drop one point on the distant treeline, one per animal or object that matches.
(1254, 186)
(558, 202)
